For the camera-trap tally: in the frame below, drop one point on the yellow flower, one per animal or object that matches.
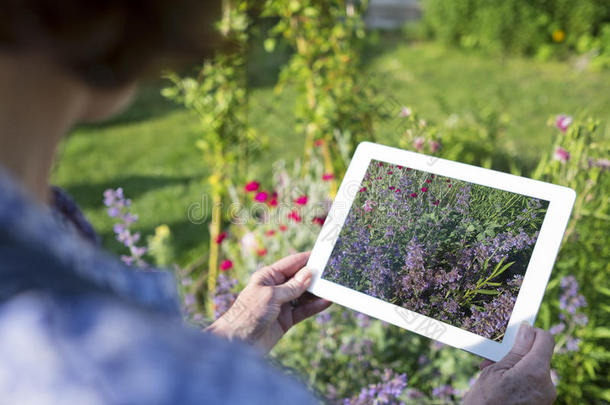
(161, 232)
(559, 35)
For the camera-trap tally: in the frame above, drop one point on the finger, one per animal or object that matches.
(284, 269)
(541, 352)
(293, 288)
(523, 344)
(307, 309)
(486, 363)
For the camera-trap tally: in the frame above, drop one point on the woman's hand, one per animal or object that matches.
(523, 376)
(274, 300)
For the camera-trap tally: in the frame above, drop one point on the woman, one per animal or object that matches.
(78, 327)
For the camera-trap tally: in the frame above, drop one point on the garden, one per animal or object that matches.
(226, 166)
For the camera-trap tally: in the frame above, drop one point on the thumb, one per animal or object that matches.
(523, 343)
(294, 287)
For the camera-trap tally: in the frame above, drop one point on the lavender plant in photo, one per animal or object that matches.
(119, 208)
(448, 249)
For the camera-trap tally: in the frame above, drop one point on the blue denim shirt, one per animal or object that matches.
(78, 327)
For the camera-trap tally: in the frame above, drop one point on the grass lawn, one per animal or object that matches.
(149, 150)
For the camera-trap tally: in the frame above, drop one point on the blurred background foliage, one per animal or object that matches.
(477, 81)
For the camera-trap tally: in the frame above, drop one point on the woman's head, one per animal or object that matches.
(108, 44)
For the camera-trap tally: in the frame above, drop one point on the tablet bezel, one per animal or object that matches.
(561, 200)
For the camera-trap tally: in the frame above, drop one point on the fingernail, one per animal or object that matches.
(303, 276)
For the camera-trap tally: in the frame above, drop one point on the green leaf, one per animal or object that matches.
(487, 292)
(269, 44)
(601, 332)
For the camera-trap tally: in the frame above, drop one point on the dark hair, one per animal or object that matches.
(108, 43)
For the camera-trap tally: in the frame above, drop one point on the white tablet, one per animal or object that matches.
(453, 252)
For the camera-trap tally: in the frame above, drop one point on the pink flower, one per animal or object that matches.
(563, 122)
(428, 181)
(391, 187)
(294, 215)
(221, 236)
(319, 142)
(435, 202)
(302, 200)
(405, 112)
(283, 228)
(418, 143)
(368, 206)
(390, 172)
(252, 186)
(363, 189)
(327, 176)
(434, 146)
(397, 191)
(380, 164)
(400, 167)
(261, 197)
(261, 252)
(270, 232)
(273, 201)
(562, 155)
(226, 265)
(413, 195)
(318, 220)
(424, 189)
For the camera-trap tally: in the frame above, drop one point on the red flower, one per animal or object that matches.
(391, 187)
(399, 166)
(252, 186)
(450, 185)
(294, 215)
(380, 164)
(435, 202)
(390, 172)
(221, 236)
(428, 181)
(270, 232)
(424, 189)
(302, 200)
(261, 197)
(408, 169)
(283, 228)
(413, 195)
(432, 175)
(448, 181)
(327, 176)
(397, 191)
(273, 201)
(363, 189)
(319, 220)
(226, 265)
(319, 142)
(261, 252)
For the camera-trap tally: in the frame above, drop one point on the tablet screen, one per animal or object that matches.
(448, 249)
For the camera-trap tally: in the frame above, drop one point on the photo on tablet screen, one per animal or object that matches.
(445, 248)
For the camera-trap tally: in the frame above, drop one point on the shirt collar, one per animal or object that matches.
(28, 222)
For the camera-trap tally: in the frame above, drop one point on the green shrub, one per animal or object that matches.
(541, 28)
